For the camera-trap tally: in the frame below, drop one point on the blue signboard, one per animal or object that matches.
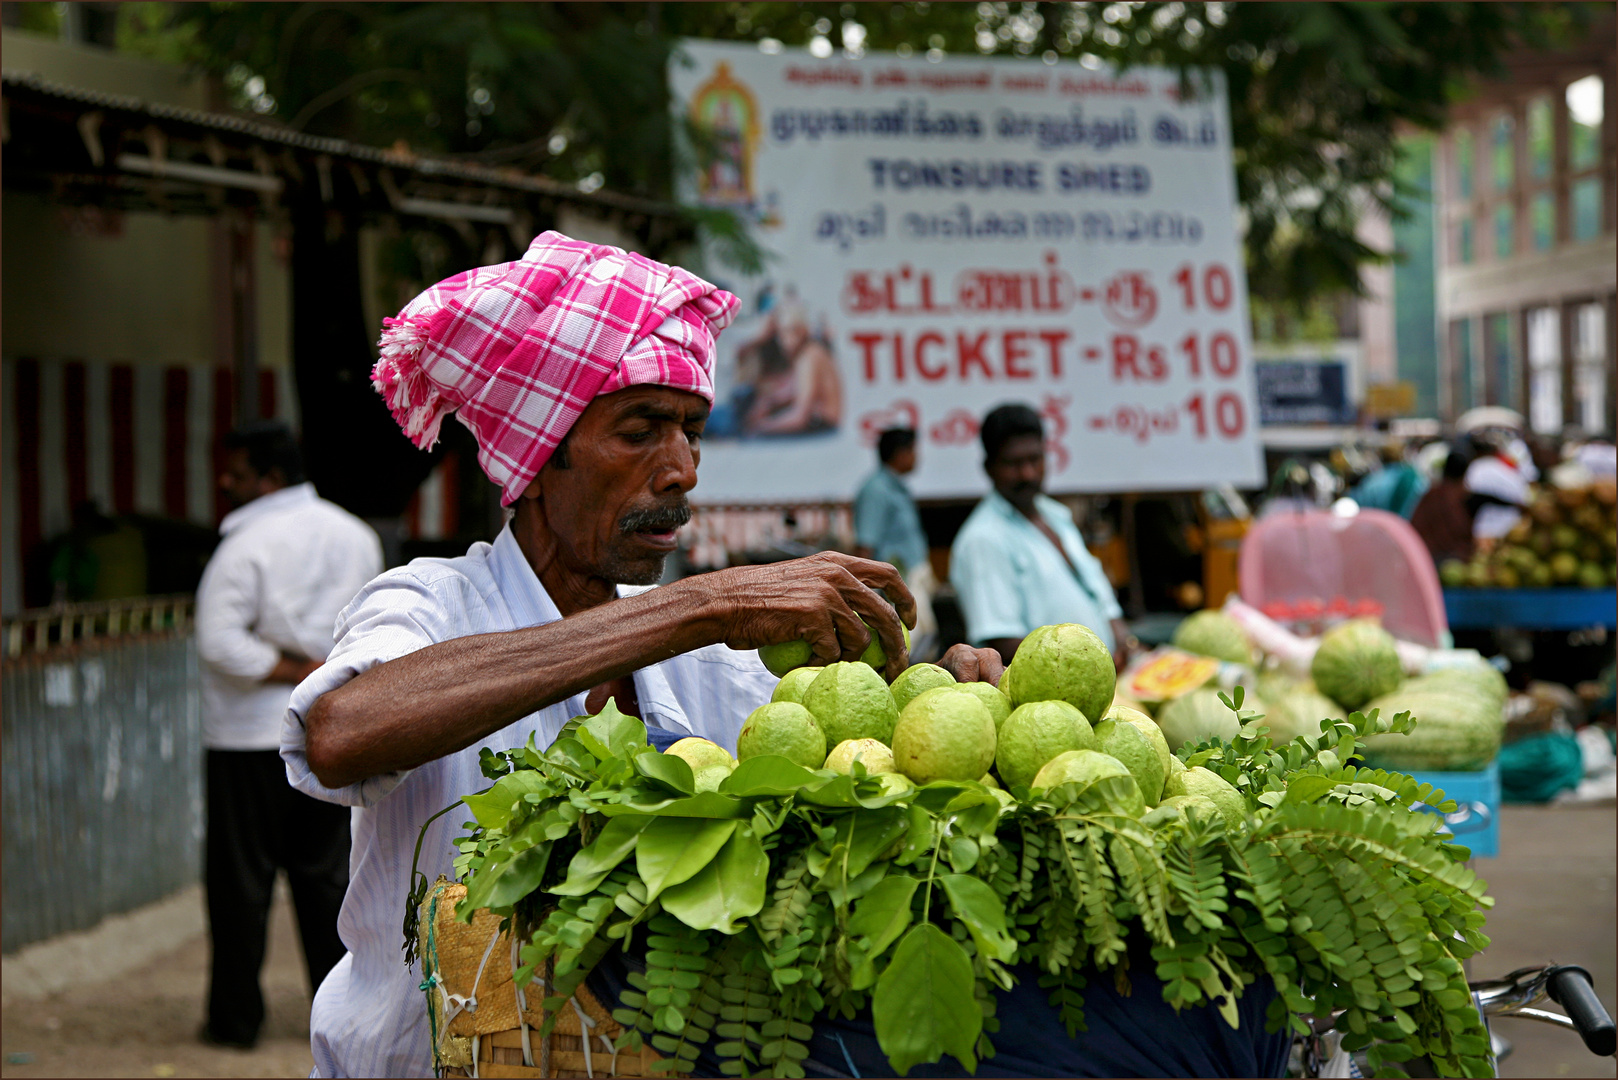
(1303, 392)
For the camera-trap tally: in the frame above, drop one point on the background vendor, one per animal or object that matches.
(585, 375)
(1019, 562)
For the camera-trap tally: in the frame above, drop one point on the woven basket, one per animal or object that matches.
(468, 968)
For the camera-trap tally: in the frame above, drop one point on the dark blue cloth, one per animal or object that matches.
(1137, 1035)
(661, 740)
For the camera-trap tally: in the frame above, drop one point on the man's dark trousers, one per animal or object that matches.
(256, 824)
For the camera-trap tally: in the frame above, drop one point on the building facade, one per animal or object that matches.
(1523, 236)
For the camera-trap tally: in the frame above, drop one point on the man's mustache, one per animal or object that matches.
(664, 518)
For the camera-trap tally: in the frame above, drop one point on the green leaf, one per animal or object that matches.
(883, 914)
(866, 834)
(493, 808)
(769, 774)
(609, 733)
(923, 1005)
(942, 795)
(670, 849)
(704, 804)
(1308, 787)
(984, 914)
(730, 887)
(667, 769)
(508, 882)
(592, 864)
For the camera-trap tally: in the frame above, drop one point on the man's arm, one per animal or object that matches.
(228, 603)
(448, 696)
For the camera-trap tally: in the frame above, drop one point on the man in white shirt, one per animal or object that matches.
(287, 563)
(586, 376)
(1019, 561)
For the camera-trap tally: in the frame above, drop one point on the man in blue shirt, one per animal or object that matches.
(888, 528)
(1019, 562)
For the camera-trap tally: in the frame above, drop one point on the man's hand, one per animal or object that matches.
(973, 665)
(292, 669)
(822, 600)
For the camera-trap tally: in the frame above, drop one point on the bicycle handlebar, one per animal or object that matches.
(1571, 987)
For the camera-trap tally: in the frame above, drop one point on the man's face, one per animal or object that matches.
(632, 457)
(242, 483)
(1018, 472)
(903, 461)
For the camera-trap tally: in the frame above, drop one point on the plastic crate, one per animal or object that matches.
(1476, 821)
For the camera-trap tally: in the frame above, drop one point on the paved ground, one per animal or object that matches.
(144, 1022)
(1554, 896)
(1554, 891)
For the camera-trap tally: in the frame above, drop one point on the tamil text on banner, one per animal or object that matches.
(944, 237)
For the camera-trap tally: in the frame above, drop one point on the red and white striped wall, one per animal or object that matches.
(135, 438)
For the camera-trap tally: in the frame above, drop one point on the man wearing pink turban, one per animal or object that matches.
(586, 375)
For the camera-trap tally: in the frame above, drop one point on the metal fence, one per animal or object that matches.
(101, 791)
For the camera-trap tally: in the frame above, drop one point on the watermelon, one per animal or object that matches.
(1299, 711)
(1213, 633)
(1199, 715)
(1453, 732)
(1356, 662)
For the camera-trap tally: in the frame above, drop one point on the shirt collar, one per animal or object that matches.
(531, 605)
(1004, 507)
(284, 499)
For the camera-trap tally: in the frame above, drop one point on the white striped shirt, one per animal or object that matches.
(369, 1018)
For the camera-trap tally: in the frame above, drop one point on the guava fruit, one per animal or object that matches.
(874, 755)
(944, 734)
(1173, 781)
(1065, 662)
(998, 704)
(1127, 743)
(1148, 727)
(700, 753)
(1356, 662)
(1213, 633)
(1088, 767)
(1206, 806)
(785, 728)
(988, 781)
(1196, 716)
(1210, 785)
(709, 777)
(851, 701)
(915, 679)
(795, 683)
(874, 654)
(783, 657)
(1036, 732)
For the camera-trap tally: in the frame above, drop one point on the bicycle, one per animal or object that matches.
(1516, 994)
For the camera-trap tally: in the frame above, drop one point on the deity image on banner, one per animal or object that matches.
(725, 112)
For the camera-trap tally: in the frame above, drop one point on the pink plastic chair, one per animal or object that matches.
(1320, 566)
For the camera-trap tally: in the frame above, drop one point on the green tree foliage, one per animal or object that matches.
(1319, 91)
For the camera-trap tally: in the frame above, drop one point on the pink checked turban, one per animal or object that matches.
(519, 349)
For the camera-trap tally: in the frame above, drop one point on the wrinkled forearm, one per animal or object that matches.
(448, 696)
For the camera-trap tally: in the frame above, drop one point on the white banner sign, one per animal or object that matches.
(947, 237)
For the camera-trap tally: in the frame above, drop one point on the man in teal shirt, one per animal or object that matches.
(887, 527)
(1019, 562)
(886, 524)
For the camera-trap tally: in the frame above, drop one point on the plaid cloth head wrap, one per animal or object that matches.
(519, 349)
